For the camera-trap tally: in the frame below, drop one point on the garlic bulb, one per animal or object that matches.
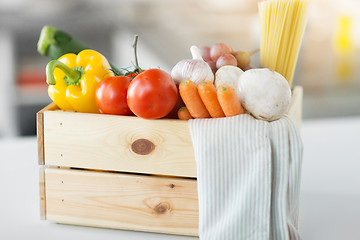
(196, 69)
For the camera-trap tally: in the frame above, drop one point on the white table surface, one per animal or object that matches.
(330, 196)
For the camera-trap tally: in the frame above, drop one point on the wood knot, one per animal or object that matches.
(162, 208)
(142, 146)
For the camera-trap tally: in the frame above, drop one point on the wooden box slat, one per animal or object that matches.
(295, 109)
(105, 142)
(122, 201)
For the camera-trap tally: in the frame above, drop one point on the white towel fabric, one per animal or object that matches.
(248, 174)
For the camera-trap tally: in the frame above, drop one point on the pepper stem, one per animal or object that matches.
(72, 76)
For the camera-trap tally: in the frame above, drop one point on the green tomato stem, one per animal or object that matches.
(135, 50)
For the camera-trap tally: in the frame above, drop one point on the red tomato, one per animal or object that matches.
(179, 103)
(111, 95)
(152, 94)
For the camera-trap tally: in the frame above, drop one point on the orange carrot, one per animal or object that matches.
(207, 92)
(229, 101)
(192, 100)
(184, 114)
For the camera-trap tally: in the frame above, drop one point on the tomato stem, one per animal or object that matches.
(135, 50)
(125, 71)
(137, 67)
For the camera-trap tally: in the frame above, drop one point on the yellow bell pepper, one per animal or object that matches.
(73, 80)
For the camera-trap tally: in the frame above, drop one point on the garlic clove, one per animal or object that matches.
(196, 69)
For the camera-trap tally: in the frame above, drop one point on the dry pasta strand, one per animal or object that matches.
(282, 28)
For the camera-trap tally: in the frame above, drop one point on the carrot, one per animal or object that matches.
(184, 114)
(229, 101)
(192, 100)
(207, 92)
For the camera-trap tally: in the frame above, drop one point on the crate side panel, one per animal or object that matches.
(40, 137)
(40, 131)
(106, 142)
(295, 109)
(122, 201)
(42, 192)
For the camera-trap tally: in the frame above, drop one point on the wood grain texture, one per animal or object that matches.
(106, 142)
(126, 144)
(42, 192)
(295, 109)
(40, 131)
(122, 201)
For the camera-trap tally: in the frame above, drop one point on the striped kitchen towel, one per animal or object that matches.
(248, 174)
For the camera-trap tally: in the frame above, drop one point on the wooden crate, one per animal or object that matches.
(120, 172)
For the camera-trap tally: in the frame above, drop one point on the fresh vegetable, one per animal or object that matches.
(242, 59)
(212, 65)
(205, 53)
(229, 101)
(226, 59)
(179, 104)
(222, 54)
(196, 69)
(54, 43)
(207, 92)
(152, 94)
(266, 94)
(190, 95)
(73, 80)
(111, 95)
(137, 69)
(219, 49)
(229, 75)
(184, 114)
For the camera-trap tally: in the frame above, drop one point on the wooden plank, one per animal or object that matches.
(40, 131)
(118, 143)
(122, 201)
(42, 192)
(126, 144)
(295, 109)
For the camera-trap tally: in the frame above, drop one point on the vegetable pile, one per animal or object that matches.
(216, 82)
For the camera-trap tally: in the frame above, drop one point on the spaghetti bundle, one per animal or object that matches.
(282, 28)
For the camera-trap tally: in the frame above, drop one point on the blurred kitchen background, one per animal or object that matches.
(328, 66)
